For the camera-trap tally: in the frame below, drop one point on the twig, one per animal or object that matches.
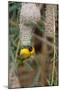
(17, 51)
(44, 40)
(53, 69)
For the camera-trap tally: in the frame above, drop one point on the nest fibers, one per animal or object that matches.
(30, 12)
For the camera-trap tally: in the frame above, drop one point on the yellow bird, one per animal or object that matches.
(27, 52)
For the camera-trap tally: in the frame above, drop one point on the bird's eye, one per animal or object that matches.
(30, 48)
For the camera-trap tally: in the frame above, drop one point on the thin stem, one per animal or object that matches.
(53, 69)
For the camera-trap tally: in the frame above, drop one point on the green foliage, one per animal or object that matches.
(14, 9)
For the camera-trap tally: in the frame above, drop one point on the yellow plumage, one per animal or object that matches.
(25, 52)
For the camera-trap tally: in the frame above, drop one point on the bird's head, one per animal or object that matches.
(27, 52)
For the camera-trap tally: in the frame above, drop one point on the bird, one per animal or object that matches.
(26, 52)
